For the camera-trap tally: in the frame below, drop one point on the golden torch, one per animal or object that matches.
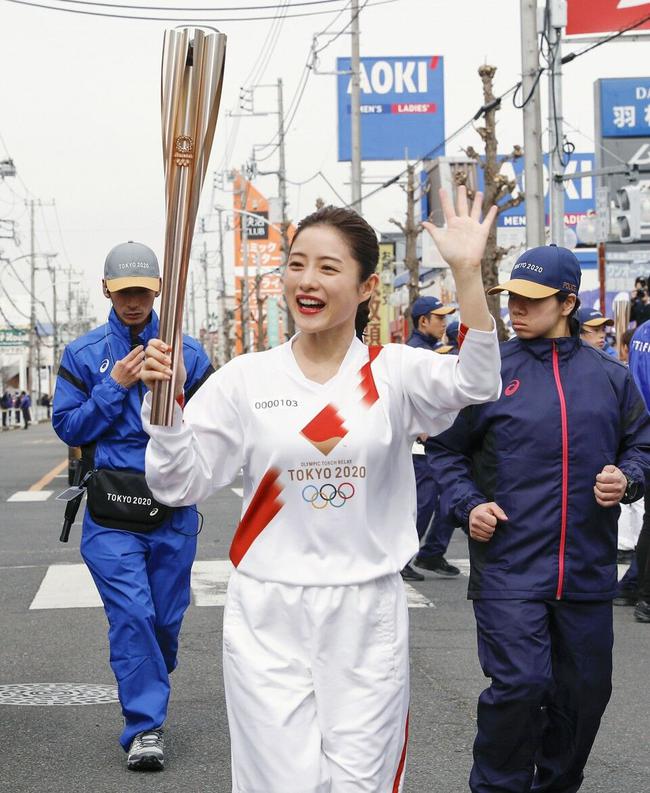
(191, 82)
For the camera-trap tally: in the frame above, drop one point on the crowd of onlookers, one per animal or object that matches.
(16, 409)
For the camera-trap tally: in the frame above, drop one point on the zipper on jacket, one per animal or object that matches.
(565, 471)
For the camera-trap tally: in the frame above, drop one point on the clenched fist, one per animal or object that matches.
(127, 371)
(483, 521)
(610, 486)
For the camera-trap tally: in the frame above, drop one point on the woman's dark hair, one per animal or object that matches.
(572, 319)
(360, 238)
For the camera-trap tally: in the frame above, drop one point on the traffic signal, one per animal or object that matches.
(632, 213)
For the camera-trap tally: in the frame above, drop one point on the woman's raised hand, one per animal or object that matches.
(157, 366)
(462, 243)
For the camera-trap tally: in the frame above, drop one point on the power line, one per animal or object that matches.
(138, 18)
(213, 9)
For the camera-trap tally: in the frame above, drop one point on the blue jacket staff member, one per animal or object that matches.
(428, 314)
(537, 478)
(142, 572)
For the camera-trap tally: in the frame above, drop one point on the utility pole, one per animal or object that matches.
(32, 299)
(533, 163)
(193, 302)
(410, 231)
(282, 189)
(557, 18)
(55, 327)
(355, 108)
(225, 351)
(245, 297)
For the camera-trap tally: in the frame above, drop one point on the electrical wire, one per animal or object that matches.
(133, 7)
(138, 18)
(573, 55)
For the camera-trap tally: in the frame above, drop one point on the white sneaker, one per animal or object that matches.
(146, 751)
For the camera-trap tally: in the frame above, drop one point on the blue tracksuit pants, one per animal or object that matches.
(551, 669)
(434, 529)
(144, 583)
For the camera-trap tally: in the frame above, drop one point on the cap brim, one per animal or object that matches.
(519, 286)
(596, 323)
(117, 284)
(442, 311)
(444, 349)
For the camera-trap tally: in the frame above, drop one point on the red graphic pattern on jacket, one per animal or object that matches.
(369, 393)
(264, 506)
(462, 332)
(326, 430)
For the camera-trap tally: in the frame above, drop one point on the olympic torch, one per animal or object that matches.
(191, 82)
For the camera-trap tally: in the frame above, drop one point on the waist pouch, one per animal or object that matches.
(122, 500)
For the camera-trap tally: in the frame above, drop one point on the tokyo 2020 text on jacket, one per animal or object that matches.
(566, 411)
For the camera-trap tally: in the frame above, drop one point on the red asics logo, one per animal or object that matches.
(512, 388)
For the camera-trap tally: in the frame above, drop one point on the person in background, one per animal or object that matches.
(451, 333)
(6, 403)
(141, 570)
(639, 360)
(592, 329)
(17, 399)
(640, 308)
(25, 409)
(536, 479)
(428, 314)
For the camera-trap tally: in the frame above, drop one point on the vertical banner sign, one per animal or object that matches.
(264, 257)
(605, 16)
(402, 107)
(378, 330)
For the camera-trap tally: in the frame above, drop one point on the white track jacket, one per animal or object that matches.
(329, 487)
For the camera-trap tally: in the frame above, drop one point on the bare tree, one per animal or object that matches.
(410, 230)
(497, 187)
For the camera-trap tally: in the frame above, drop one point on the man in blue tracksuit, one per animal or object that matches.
(640, 368)
(536, 478)
(142, 573)
(428, 315)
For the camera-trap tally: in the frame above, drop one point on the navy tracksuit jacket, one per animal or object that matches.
(542, 586)
(143, 579)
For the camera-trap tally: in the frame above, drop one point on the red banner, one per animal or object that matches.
(606, 16)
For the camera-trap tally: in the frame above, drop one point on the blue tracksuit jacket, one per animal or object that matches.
(640, 360)
(90, 407)
(566, 411)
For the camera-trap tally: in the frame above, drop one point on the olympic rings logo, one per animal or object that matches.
(328, 495)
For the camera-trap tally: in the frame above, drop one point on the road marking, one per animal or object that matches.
(49, 476)
(238, 491)
(70, 586)
(31, 495)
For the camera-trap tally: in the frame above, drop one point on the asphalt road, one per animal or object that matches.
(73, 747)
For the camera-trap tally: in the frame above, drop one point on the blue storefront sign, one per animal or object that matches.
(402, 107)
(579, 193)
(624, 106)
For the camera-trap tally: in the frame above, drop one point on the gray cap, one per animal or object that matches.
(131, 264)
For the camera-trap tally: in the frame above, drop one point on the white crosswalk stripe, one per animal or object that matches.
(70, 586)
(31, 495)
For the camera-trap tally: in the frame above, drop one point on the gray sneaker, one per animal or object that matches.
(146, 751)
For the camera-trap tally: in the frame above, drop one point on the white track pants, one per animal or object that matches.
(317, 686)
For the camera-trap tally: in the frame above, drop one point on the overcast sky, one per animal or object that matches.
(80, 113)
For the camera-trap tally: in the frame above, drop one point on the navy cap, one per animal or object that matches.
(429, 305)
(592, 318)
(542, 272)
(452, 331)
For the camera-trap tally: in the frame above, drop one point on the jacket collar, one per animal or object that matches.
(428, 340)
(566, 347)
(121, 330)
